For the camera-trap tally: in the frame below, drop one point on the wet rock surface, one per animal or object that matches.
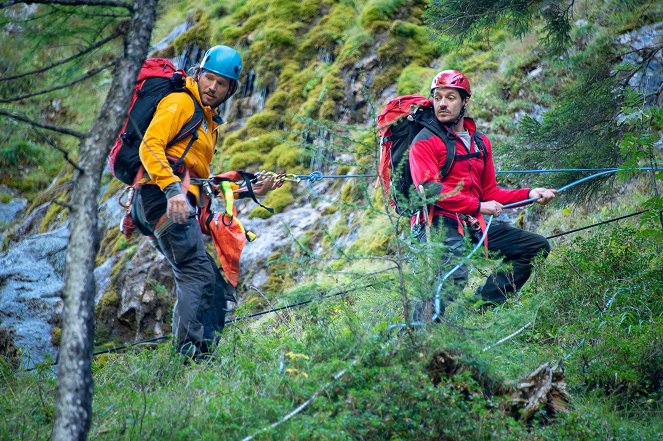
(30, 283)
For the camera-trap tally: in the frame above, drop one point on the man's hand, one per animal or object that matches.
(264, 185)
(491, 207)
(178, 208)
(545, 195)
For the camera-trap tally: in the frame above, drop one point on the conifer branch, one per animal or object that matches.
(51, 127)
(89, 74)
(66, 60)
(110, 3)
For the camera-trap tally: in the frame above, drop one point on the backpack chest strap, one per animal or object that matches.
(468, 156)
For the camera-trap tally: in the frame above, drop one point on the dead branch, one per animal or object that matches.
(51, 127)
(89, 74)
(66, 60)
(543, 389)
(64, 152)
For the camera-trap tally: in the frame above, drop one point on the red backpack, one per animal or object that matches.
(398, 123)
(156, 79)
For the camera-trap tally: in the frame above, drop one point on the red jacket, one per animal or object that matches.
(476, 175)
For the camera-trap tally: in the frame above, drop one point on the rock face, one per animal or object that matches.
(31, 277)
(646, 41)
(138, 298)
(9, 210)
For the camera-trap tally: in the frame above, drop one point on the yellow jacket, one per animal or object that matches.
(171, 114)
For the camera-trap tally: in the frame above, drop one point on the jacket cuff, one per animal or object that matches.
(527, 194)
(478, 209)
(173, 190)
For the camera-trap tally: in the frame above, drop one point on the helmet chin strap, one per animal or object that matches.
(461, 114)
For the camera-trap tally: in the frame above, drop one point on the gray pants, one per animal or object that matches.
(200, 310)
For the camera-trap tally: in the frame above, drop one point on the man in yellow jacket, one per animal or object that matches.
(167, 209)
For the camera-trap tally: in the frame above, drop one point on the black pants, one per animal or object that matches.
(517, 246)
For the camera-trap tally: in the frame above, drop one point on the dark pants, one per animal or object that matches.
(199, 312)
(200, 309)
(517, 246)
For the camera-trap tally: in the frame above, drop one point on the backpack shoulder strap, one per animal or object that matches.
(478, 140)
(427, 119)
(190, 128)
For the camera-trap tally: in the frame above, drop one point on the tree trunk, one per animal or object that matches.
(74, 395)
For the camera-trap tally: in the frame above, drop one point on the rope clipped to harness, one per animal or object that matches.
(241, 183)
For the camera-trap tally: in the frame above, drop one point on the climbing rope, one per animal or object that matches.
(575, 230)
(437, 298)
(230, 321)
(316, 176)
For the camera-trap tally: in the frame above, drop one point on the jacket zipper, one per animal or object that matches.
(469, 165)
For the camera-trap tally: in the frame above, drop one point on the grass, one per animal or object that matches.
(264, 369)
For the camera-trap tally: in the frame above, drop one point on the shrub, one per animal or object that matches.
(21, 153)
(604, 296)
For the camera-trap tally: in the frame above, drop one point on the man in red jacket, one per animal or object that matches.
(473, 172)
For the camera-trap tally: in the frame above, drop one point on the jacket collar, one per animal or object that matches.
(469, 125)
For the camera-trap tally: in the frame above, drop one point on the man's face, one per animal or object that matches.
(212, 88)
(447, 103)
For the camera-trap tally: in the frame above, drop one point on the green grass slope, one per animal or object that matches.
(335, 368)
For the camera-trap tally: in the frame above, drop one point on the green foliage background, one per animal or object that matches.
(594, 305)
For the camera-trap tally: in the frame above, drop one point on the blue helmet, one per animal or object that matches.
(224, 61)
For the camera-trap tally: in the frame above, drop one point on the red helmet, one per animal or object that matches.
(453, 79)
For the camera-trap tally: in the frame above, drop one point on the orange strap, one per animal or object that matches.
(482, 222)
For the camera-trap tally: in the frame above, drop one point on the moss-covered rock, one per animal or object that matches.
(55, 215)
(415, 79)
(377, 14)
(327, 35)
(265, 120)
(283, 158)
(56, 335)
(278, 274)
